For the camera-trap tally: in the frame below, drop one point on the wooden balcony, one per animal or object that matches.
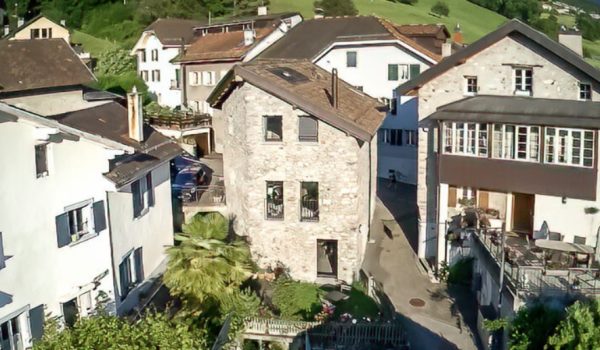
(180, 121)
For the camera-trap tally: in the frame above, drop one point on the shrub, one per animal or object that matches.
(336, 7)
(115, 62)
(297, 300)
(461, 272)
(440, 8)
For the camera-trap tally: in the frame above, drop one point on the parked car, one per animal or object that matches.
(189, 176)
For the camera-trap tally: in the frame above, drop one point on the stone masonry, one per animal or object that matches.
(343, 166)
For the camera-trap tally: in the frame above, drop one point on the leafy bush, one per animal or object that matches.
(580, 329)
(297, 300)
(532, 326)
(358, 304)
(336, 7)
(120, 84)
(440, 8)
(115, 62)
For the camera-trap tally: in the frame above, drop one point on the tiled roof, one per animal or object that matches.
(170, 31)
(307, 86)
(110, 121)
(37, 64)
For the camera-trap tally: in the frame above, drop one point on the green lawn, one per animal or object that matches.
(474, 20)
(90, 43)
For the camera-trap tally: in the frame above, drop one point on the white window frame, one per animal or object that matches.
(195, 78)
(411, 137)
(208, 78)
(87, 216)
(458, 138)
(521, 89)
(468, 85)
(552, 142)
(581, 92)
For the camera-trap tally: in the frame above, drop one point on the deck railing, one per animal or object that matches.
(211, 195)
(181, 121)
(538, 279)
(275, 327)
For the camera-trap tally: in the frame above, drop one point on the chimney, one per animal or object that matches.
(6, 29)
(20, 22)
(63, 22)
(135, 119)
(457, 37)
(446, 49)
(334, 88)
(262, 10)
(248, 37)
(571, 38)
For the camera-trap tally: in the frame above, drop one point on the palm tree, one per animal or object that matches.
(207, 266)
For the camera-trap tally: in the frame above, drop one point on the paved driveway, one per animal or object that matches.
(391, 259)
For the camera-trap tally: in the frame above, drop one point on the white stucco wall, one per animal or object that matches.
(162, 89)
(37, 271)
(493, 67)
(153, 230)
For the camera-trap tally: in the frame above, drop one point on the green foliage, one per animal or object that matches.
(525, 10)
(440, 8)
(443, 271)
(297, 300)
(336, 7)
(206, 266)
(153, 331)
(532, 326)
(580, 330)
(589, 27)
(120, 84)
(548, 26)
(408, 2)
(248, 7)
(495, 325)
(115, 62)
(461, 272)
(73, 11)
(358, 304)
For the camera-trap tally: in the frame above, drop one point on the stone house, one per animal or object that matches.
(300, 162)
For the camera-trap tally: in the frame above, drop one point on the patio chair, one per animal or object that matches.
(543, 232)
(555, 236)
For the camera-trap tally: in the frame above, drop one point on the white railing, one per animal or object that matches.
(274, 327)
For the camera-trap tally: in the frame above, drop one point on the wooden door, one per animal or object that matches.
(523, 206)
(483, 201)
(451, 197)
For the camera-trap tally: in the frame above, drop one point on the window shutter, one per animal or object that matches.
(150, 189)
(139, 264)
(394, 106)
(36, 322)
(308, 129)
(136, 196)
(124, 277)
(62, 230)
(415, 70)
(392, 72)
(2, 259)
(99, 216)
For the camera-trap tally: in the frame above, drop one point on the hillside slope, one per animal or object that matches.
(474, 20)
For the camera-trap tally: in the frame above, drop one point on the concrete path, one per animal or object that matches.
(392, 261)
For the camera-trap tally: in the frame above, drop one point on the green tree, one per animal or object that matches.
(580, 330)
(207, 266)
(532, 326)
(548, 26)
(336, 7)
(102, 331)
(440, 8)
(589, 27)
(248, 7)
(16, 9)
(115, 62)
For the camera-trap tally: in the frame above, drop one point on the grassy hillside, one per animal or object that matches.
(91, 44)
(475, 21)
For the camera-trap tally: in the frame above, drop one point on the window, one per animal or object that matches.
(46, 33)
(308, 129)
(208, 78)
(144, 75)
(523, 81)
(143, 195)
(41, 160)
(131, 271)
(466, 138)
(273, 128)
(309, 202)
(397, 137)
(195, 78)
(585, 91)
(274, 200)
(143, 55)
(392, 105)
(411, 137)
(70, 312)
(569, 146)
(471, 87)
(415, 70)
(351, 59)
(156, 75)
(528, 143)
(154, 55)
(35, 33)
(392, 72)
(80, 220)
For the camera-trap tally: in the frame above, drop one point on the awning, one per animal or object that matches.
(564, 246)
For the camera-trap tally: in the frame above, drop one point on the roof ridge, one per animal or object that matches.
(391, 28)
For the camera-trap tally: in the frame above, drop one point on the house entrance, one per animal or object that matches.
(327, 254)
(523, 206)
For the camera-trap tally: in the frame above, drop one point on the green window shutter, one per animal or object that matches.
(36, 322)
(415, 70)
(392, 72)
(63, 236)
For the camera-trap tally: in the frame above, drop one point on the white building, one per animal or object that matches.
(97, 193)
(159, 44)
(375, 56)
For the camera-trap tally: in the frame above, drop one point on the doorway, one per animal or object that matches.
(10, 335)
(327, 256)
(523, 207)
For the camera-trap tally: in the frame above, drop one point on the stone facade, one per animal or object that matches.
(552, 78)
(343, 167)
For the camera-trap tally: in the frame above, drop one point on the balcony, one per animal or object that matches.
(309, 210)
(274, 209)
(179, 120)
(532, 271)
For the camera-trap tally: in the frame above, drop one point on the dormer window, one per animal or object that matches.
(471, 87)
(523, 81)
(585, 91)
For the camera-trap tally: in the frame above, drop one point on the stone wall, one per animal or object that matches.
(339, 163)
(552, 78)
